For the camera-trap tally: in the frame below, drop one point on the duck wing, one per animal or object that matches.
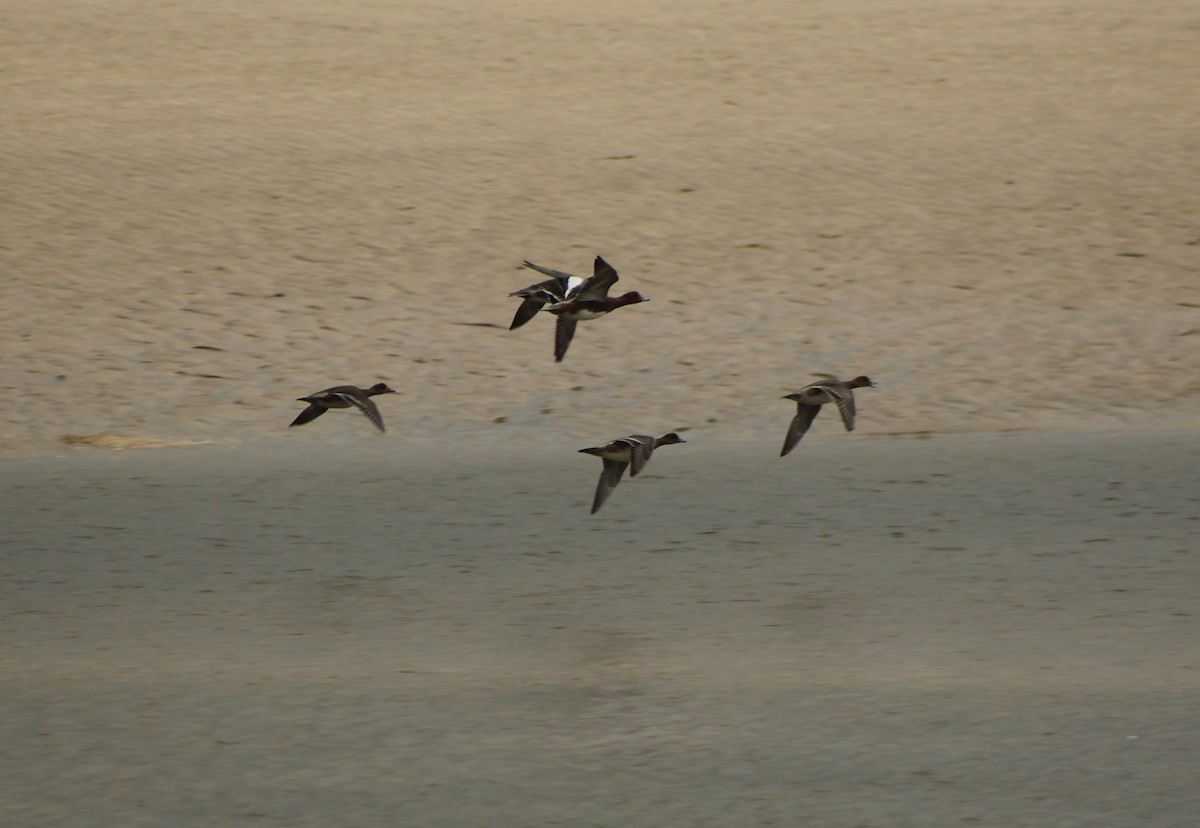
(552, 290)
(603, 277)
(564, 332)
(527, 310)
(805, 414)
(609, 478)
(559, 276)
(844, 398)
(367, 406)
(309, 414)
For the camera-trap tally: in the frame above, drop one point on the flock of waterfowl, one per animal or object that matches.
(573, 299)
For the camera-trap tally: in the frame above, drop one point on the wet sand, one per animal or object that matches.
(347, 630)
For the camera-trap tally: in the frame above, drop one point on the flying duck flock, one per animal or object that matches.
(572, 299)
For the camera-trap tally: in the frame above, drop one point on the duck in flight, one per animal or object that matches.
(632, 452)
(572, 300)
(344, 396)
(811, 397)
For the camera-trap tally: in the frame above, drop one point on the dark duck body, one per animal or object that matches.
(811, 397)
(344, 396)
(632, 452)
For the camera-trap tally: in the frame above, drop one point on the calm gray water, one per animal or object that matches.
(963, 630)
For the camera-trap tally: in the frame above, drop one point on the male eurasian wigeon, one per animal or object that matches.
(811, 397)
(586, 300)
(343, 396)
(633, 452)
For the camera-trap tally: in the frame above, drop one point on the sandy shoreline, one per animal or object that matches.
(994, 629)
(214, 210)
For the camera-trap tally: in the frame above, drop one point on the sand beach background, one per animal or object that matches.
(990, 208)
(211, 209)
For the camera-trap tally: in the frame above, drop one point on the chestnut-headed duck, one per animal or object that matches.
(811, 397)
(589, 301)
(343, 396)
(571, 300)
(632, 452)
